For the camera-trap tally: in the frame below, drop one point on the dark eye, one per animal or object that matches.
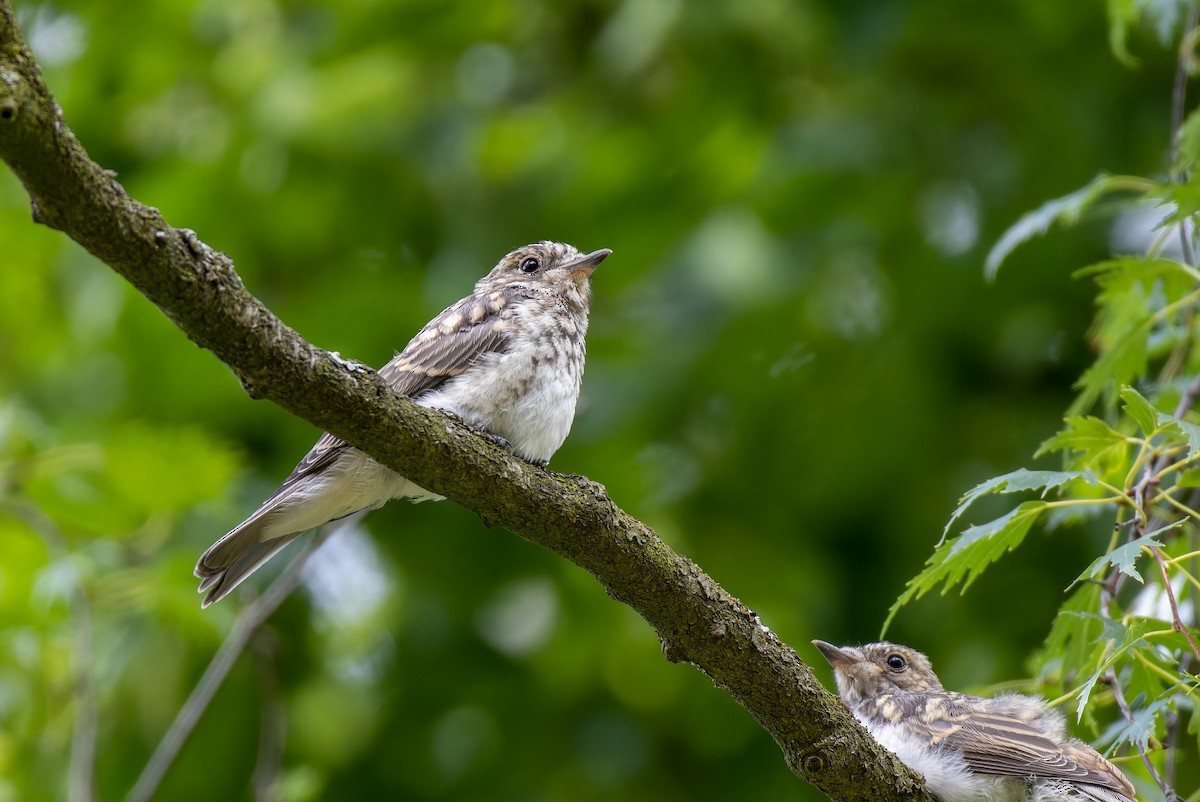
(530, 265)
(896, 662)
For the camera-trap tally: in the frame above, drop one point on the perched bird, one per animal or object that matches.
(1012, 748)
(508, 359)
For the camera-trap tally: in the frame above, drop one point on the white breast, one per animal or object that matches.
(527, 394)
(945, 771)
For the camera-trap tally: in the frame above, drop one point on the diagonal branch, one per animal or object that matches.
(696, 620)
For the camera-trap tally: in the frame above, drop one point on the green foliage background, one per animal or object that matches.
(795, 366)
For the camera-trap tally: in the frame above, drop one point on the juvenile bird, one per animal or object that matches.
(1012, 748)
(508, 359)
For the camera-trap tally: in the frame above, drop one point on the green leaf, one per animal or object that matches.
(1138, 732)
(1133, 293)
(1123, 557)
(1188, 432)
(1130, 636)
(1066, 210)
(1123, 361)
(1088, 434)
(1073, 642)
(1188, 141)
(965, 557)
(1142, 411)
(1020, 479)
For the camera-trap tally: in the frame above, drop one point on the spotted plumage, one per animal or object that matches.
(1011, 748)
(508, 359)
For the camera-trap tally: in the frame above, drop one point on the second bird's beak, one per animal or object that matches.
(834, 655)
(584, 265)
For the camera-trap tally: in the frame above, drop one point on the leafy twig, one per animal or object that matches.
(1111, 680)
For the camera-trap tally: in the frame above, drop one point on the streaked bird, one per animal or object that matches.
(508, 359)
(1011, 748)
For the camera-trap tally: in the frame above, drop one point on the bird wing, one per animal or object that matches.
(447, 346)
(994, 743)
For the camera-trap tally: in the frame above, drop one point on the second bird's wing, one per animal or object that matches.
(994, 743)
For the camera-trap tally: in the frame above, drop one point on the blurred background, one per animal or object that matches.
(795, 365)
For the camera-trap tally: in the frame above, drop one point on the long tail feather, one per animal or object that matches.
(234, 557)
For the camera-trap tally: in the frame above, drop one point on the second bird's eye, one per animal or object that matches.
(896, 662)
(529, 265)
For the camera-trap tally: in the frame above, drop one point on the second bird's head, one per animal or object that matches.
(866, 671)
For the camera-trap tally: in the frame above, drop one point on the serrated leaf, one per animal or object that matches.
(1124, 360)
(1085, 433)
(1138, 732)
(1013, 482)
(965, 557)
(1123, 557)
(1188, 432)
(1133, 292)
(1130, 636)
(1187, 141)
(1065, 210)
(1142, 411)
(1072, 643)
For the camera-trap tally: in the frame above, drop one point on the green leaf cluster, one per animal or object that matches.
(1123, 645)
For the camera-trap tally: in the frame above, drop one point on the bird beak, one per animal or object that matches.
(834, 655)
(584, 265)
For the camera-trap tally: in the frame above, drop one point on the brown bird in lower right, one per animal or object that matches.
(1011, 748)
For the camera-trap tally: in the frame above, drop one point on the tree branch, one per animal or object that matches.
(697, 621)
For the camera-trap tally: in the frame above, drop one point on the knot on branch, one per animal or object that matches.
(8, 110)
(814, 761)
(812, 765)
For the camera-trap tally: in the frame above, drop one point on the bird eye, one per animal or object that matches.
(530, 265)
(896, 662)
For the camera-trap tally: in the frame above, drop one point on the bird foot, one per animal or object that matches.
(351, 365)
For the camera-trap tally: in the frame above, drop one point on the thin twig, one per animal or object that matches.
(250, 620)
(1176, 621)
(273, 725)
(1127, 712)
(82, 783)
(1188, 400)
(1178, 104)
(81, 773)
(1174, 729)
(1110, 679)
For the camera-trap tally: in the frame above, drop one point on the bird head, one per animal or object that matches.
(863, 672)
(545, 264)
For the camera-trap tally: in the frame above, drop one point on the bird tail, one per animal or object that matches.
(235, 556)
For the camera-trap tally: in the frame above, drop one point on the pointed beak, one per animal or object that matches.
(583, 266)
(834, 655)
